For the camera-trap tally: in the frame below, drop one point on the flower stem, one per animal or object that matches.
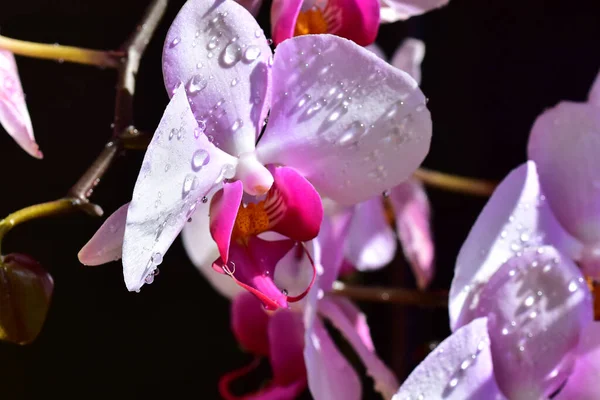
(127, 63)
(107, 59)
(454, 183)
(436, 299)
(36, 211)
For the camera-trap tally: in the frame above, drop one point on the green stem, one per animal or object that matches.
(106, 59)
(51, 208)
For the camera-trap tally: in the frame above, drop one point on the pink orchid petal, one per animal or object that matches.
(537, 304)
(220, 53)
(286, 340)
(409, 56)
(352, 129)
(565, 143)
(371, 241)
(351, 323)
(252, 265)
(357, 319)
(179, 168)
(203, 251)
(330, 375)
(107, 243)
(295, 272)
(294, 206)
(594, 95)
(357, 20)
(14, 116)
(583, 383)
(460, 368)
(253, 6)
(250, 323)
(411, 208)
(399, 10)
(284, 14)
(223, 212)
(330, 248)
(516, 217)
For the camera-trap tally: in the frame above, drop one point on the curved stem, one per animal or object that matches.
(437, 299)
(454, 183)
(109, 59)
(48, 209)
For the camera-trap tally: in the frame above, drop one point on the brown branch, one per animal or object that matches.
(436, 299)
(133, 50)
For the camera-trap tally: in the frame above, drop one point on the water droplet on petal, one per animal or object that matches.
(529, 301)
(572, 286)
(353, 132)
(251, 53)
(157, 258)
(175, 42)
(237, 124)
(232, 54)
(234, 81)
(196, 84)
(204, 199)
(200, 159)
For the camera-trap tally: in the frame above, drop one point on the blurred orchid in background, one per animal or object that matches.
(565, 143)
(522, 300)
(371, 242)
(333, 124)
(14, 116)
(357, 20)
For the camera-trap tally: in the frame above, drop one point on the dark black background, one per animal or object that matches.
(491, 67)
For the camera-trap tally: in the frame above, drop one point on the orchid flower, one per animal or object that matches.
(350, 130)
(357, 20)
(565, 143)
(371, 241)
(14, 116)
(399, 10)
(301, 353)
(520, 309)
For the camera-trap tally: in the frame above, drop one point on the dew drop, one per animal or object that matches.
(232, 54)
(354, 131)
(196, 84)
(228, 171)
(204, 199)
(572, 286)
(269, 41)
(257, 33)
(284, 292)
(453, 382)
(172, 133)
(210, 138)
(212, 43)
(465, 364)
(199, 65)
(175, 42)
(237, 124)
(251, 53)
(157, 258)
(234, 81)
(210, 54)
(188, 184)
(524, 237)
(200, 159)
(529, 301)
(167, 167)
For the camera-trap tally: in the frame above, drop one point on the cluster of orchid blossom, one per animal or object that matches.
(279, 169)
(520, 308)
